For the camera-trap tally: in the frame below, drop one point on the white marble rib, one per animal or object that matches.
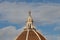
(37, 35)
(27, 34)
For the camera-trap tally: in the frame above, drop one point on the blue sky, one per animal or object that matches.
(13, 14)
(29, 1)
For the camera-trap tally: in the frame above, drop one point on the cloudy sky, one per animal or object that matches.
(13, 15)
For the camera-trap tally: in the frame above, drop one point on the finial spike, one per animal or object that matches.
(29, 13)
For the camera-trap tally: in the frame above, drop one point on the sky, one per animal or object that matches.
(14, 13)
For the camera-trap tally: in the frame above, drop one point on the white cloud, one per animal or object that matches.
(17, 12)
(58, 38)
(57, 28)
(52, 37)
(9, 33)
(13, 12)
(46, 13)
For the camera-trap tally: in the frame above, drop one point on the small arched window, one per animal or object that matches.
(29, 26)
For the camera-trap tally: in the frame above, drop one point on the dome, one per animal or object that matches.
(29, 32)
